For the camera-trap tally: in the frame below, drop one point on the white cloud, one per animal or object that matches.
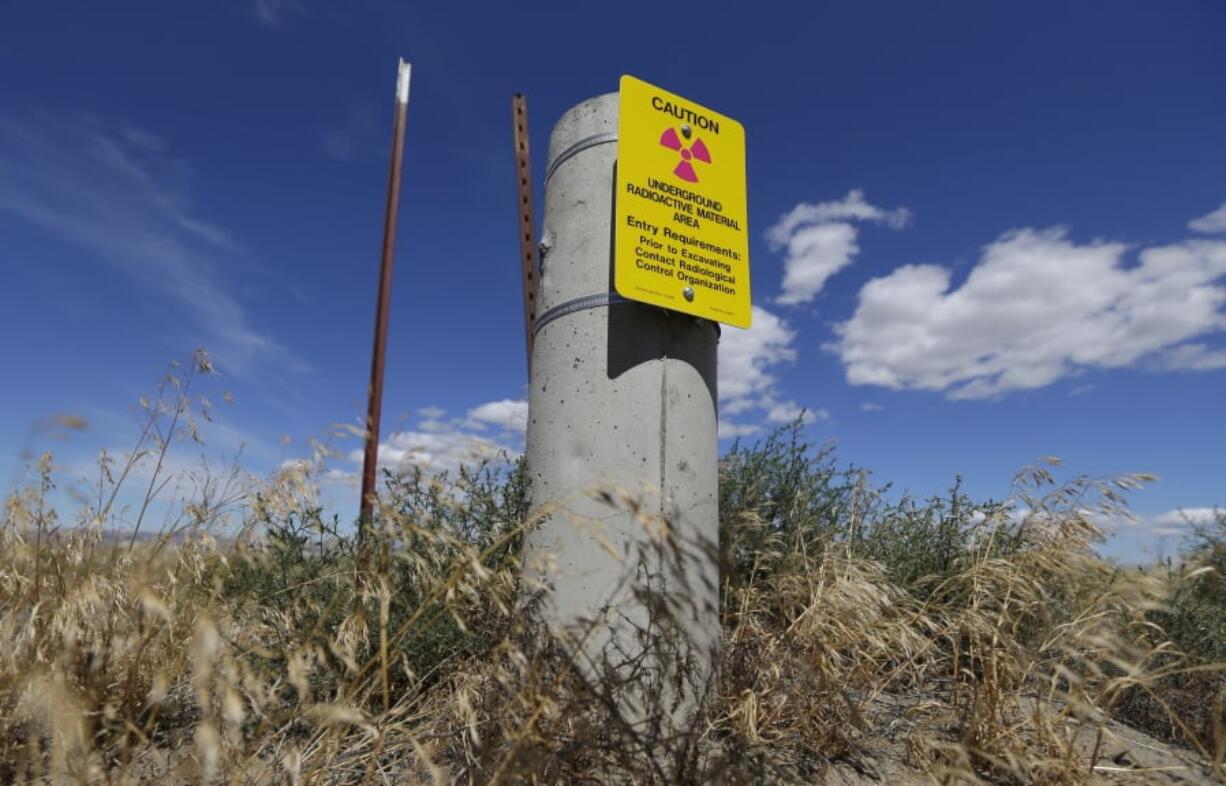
(869, 406)
(1181, 521)
(850, 208)
(815, 253)
(739, 405)
(745, 357)
(144, 139)
(439, 445)
(434, 451)
(357, 132)
(1037, 307)
(507, 413)
(821, 240)
(340, 477)
(1177, 522)
(120, 195)
(1214, 222)
(330, 477)
(1192, 357)
(730, 430)
(273, 13)
(789, 411)
(746, 382)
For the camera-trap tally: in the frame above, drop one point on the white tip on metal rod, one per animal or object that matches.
(402, 84)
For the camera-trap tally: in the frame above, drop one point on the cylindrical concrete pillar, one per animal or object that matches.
(621, 443)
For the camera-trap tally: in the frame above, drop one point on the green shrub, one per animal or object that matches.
(782, 497)
(1188, 704)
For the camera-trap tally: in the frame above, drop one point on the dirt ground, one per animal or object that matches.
(1125, 755)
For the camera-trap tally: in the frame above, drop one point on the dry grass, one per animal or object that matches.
(236, 645)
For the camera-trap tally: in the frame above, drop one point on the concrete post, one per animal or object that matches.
(621, 446)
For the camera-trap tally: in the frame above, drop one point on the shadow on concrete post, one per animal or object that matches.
(623, 455)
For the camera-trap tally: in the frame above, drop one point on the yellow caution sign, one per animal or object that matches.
(681, 236)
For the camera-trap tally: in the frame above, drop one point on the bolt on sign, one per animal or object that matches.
(681, 238)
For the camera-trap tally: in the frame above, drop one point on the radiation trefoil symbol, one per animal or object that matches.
(695, 152)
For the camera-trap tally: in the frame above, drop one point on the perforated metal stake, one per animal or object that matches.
(383, 305)
(523, 173)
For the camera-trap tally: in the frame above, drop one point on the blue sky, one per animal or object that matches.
(982, 232)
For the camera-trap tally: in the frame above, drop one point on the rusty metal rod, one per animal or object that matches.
(523, 174)
(375, 391)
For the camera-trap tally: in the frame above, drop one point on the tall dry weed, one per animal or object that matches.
(949, 642)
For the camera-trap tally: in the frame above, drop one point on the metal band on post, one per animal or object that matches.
(575, 305)
(598, 300)
(577, 148)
